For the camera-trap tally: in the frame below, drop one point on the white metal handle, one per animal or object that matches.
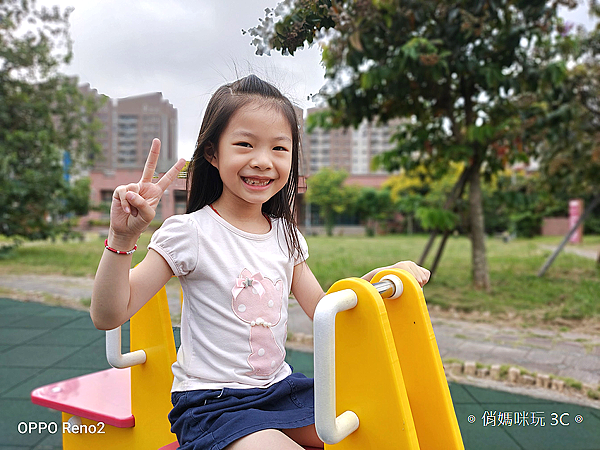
(398, 286)
(113, 351)
(330, 429)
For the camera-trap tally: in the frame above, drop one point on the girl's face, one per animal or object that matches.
(254, 156)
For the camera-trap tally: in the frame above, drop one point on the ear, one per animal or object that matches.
(210, 154)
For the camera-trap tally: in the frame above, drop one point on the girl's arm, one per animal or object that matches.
(306, 288)
(119, 293)
(308, 291)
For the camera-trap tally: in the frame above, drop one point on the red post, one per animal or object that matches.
(575, 212)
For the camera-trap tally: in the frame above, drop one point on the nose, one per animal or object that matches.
(261, 159)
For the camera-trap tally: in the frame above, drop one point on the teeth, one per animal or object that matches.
(256, 182)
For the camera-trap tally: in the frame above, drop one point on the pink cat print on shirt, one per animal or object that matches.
(258, 301)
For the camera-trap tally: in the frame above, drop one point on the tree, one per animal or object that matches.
(420, 196)
(326, 190)
(47, 131)
(459, 70)
(375, 207)
(571, 157)
(518, 203)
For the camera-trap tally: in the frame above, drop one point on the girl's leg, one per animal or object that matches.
(265, 439)
(305, 436)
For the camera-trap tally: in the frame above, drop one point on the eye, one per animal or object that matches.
(281, 149)
(243, 144)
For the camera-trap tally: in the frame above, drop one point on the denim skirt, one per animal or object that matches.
(212, 419)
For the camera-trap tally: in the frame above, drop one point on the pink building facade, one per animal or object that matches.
(103, 186)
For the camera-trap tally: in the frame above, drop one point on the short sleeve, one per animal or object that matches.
(177, 242)
(304, 247)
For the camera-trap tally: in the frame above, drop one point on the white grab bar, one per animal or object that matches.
(113, 351)
(330, 429)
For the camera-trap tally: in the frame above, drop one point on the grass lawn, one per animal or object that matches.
(569, 290)
(72, 258)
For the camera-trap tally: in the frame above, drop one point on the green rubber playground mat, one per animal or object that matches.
(42, 344)
(496, 420)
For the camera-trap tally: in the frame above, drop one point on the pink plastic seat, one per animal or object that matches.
(102, 396)
(113, 396)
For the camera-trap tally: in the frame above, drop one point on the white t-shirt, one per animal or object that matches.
(235, 300)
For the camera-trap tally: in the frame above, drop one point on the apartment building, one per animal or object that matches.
(129, 125)
(349, 149)
(346, 149)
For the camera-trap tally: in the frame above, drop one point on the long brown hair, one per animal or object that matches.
(204, 183)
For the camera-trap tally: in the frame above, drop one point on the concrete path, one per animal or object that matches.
(565, 354)
(583, 252)
(552, 352)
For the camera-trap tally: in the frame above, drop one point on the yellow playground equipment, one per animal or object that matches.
(376, 359)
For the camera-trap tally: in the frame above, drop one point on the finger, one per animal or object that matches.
(418, 275)
(141, 205)
(120, 196)
(171, 175)
(151, 162)
(426, 274)
(133, 187)
(416, 272)
(421, 276)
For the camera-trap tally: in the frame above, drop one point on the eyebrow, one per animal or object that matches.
(252, 135)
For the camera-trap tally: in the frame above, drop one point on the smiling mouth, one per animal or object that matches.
(257, 182)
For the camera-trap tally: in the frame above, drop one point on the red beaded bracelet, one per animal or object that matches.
(119, 252)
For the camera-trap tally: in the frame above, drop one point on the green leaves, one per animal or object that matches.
(418, 46)
(480, 133)
(319, 119)
(436, 219)
(326, 190)
(44, 121)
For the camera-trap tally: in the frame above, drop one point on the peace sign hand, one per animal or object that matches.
(134, 205)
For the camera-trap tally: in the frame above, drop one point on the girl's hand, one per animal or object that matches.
(420, 273)
(134, 205)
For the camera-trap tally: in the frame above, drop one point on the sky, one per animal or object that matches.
(186, 49)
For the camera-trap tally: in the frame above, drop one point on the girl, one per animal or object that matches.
(237, 253)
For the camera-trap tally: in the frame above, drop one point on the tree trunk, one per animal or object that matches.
(329, 221)
(427, 247)
(439, 253)
(481, 278)
(455, 194)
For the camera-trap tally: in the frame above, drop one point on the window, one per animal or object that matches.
(105, 202)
